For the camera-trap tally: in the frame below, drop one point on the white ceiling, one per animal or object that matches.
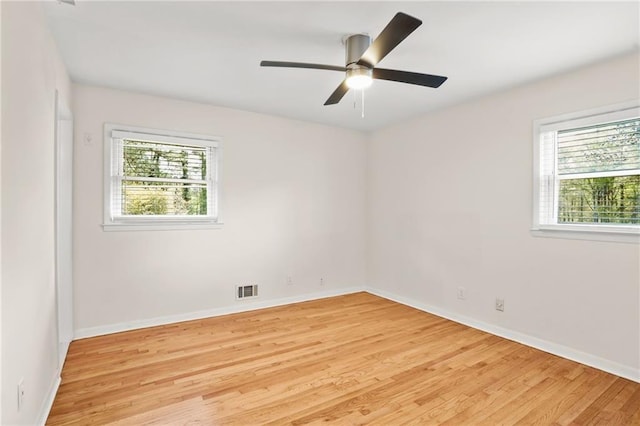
(210, 51)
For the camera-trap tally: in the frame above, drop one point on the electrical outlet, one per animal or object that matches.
(499, 304)
(462, 293)
(20, 394)
(322, 282)
(289, 280)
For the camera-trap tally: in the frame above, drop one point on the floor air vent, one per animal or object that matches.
(246, 291)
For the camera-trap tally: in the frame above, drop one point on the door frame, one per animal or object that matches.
(63, 228)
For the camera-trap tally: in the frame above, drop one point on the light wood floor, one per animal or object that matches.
(355, 359)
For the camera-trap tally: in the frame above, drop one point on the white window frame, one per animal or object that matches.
(114, 222)
(544, 226)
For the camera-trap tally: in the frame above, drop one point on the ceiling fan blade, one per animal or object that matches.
(301, 65)
(338, 94)
(396, 30)
(409, 77)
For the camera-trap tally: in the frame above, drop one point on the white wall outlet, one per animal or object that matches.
(462, 293)
(20, 394)
(289, 280)
(322, 283)
(499, 304)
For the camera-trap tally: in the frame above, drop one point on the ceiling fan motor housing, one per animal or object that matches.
(355, 46)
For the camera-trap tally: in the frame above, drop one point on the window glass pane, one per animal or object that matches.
(605, 147)
(604, 200)
(161, 198)
(157, 160)
(160, 179)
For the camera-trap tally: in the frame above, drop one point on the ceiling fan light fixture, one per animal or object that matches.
(362, 57)
(359, 78)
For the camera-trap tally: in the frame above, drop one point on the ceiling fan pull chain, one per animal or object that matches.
(362, 103)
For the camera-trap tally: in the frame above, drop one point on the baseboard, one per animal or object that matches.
(534, 342)
(48, 403)
(553, 348)
(240, 307)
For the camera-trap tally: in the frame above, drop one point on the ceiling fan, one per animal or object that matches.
(362, 56)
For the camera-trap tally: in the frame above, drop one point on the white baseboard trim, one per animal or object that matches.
(594, 361)
(553, 348)
(242, 306)
(48, 402)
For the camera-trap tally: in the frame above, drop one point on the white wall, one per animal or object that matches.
(449, 203)
(0, 216)
(31, 73)
(293, 203)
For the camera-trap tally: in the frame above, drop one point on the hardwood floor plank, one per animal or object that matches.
(632, 406)
(596, 407)
(355, 359)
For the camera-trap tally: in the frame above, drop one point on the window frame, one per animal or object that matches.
(113, 222)
(609, 233)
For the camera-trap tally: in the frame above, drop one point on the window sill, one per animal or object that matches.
(160, 226)
(625, 235)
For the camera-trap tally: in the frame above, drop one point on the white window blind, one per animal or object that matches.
(157, 178)
(589, 173)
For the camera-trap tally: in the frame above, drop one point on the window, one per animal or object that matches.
(587, 175)
(160, 180)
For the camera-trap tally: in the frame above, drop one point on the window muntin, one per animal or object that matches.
(158, 178)
(588, 172)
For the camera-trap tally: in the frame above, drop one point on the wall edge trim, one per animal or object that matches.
(48, 402)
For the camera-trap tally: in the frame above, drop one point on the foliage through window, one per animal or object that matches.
(589, 172)
(156, 178)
